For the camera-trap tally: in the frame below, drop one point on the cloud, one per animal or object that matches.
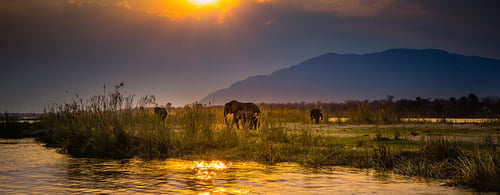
(172, 9)
(342, 8)
(180, 52)
(183, 9)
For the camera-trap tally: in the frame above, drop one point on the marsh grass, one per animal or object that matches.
(479, 169)
(471, 165)
(106, 125)
(113, 125)
(281, 114)
(363, 114)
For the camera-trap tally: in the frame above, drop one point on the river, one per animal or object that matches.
(27, 167)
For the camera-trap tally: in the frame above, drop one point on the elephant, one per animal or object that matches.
(246, 112)
(248, 118)
(316, 115)
(161, 112)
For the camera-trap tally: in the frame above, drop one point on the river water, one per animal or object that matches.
(27, 167)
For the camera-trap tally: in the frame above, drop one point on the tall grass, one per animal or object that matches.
(479, 170)
(114, 125)
(282, 114)
(476, 166)
(364, 114)
(106, 125)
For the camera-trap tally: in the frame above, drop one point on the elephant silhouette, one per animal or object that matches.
(316, 115)
(161, 112)
(247, 113)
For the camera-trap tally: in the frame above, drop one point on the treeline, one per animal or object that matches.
(8, 117)
(470, 106)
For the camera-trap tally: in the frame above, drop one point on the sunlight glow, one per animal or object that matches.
(207, 170)
(200, 10)
(202, 2)
(177, 10)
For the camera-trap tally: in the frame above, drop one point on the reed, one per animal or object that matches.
(479, 169)
(113, 125)
(363, 114)
(105, 125)
(434, 159)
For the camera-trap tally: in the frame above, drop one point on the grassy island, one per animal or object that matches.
(112, 126)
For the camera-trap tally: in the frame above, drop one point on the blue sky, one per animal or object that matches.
(180, 52)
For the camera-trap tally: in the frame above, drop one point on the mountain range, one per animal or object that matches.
(403, 73)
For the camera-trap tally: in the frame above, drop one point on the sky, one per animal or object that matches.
(180, 51)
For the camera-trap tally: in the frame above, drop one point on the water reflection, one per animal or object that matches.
(208, 170)
(29, 168)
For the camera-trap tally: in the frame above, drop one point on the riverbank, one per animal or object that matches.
(25, 159)
(197, 132)
(114, 126)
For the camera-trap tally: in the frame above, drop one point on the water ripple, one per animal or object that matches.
(27, 167)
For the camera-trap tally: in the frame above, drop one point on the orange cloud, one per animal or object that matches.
(183, 9)
(173, 9)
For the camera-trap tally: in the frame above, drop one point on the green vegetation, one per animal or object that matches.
(390, 111)
(111, 126)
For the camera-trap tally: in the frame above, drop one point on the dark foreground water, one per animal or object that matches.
(26, 167)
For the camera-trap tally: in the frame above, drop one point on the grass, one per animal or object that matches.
(111, 126)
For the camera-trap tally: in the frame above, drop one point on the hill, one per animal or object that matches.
(403, 73)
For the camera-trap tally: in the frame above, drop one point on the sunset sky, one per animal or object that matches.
(180, 51)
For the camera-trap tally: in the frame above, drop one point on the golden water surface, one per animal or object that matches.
(26, 167)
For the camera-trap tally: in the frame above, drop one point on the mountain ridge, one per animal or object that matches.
(404, 73)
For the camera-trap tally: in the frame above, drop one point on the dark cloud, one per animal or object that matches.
(54, 46)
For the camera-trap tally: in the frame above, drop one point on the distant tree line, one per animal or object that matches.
(8, 117)
(470, 106)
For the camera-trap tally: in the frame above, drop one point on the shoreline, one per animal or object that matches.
(310, 147)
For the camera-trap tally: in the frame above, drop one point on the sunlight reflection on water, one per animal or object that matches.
(208, 170)
(28, 167)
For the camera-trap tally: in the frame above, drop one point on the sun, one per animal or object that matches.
(193, 10)
(202, 2)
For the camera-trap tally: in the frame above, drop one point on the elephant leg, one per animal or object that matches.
(254, 123)
(236, 120)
